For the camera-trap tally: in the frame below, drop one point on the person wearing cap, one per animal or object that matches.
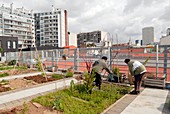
(97, 68)
(137, 70)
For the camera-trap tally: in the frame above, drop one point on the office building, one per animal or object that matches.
(18, 23)
(93, 37)
(51, 28)
(147, 35)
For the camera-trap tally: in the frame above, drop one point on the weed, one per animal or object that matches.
(72, 87)
(58, 104)
(69, 73)
(25, 108)
(88, 82)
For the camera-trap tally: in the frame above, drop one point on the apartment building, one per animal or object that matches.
(93, 37)
(18, 23)
(51, 28)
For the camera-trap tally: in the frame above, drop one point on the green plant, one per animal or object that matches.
(72, 85)
(58, 76)
(12, 62)
(88, 82)
(57, 105)
(25, 108)
(82, 102)
(116, 70)
(4, 74)
(12, 67)
(69, 73)
(1, 50)
(169, 103)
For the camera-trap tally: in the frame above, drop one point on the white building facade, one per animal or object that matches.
(147, 35)
(19, 23)
(51, 28)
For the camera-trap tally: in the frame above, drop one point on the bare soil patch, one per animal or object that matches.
(16, 84)
(3, 88)
(40, 79)
(19, 71)
(30, 108)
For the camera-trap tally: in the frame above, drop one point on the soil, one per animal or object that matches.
(30, 108)
(40, 79)
(3, 89)
(20, 83)
(16, 84)
(18, 71)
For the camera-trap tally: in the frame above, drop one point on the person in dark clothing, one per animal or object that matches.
(97, 69)
(137, 70)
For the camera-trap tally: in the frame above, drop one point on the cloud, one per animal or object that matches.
(126, 18)
(165, 16)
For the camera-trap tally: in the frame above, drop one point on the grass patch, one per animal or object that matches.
(79, 102)
(12, 67)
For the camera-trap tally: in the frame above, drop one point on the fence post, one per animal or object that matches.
(78, 59)
(75, 59)
(157, 60)
(31, 57)
(52, 58)
(56, 57)
(165, 59)
(109, 57)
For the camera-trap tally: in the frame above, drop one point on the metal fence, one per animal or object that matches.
(158, 63)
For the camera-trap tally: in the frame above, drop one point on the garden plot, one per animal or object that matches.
(26, 81)
(73, 100)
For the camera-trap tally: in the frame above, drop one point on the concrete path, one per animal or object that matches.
(6, 99)
(150, 101)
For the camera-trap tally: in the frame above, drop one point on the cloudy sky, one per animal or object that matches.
(126, 18)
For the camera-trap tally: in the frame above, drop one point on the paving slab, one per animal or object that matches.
(150, 101)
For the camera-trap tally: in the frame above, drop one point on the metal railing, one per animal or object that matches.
(158, 64)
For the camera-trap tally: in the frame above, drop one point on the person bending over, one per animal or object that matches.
(137, 70)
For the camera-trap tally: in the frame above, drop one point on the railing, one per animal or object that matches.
(116, 56)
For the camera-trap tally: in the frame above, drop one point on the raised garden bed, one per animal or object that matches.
(74, 101)
(10, 72)
(30, 81)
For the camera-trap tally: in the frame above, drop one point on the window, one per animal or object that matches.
(14, 44)
(9, 44)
